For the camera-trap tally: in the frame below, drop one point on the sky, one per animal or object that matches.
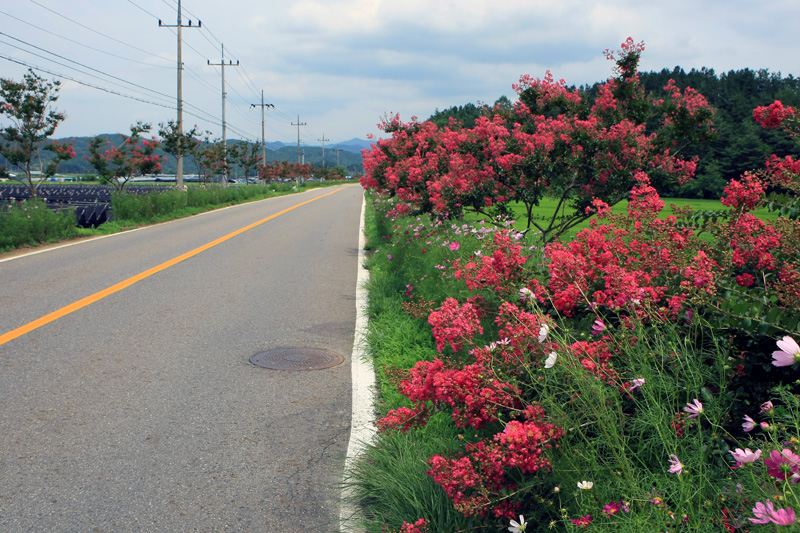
(338, 67)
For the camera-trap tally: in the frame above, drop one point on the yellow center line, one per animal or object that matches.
(55, 315)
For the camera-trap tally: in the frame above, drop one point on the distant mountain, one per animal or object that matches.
(349, 155)
(354, 145)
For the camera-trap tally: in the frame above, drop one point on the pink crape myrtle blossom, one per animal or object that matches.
(788, 354)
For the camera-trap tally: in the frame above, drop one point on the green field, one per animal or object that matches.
(547, 207)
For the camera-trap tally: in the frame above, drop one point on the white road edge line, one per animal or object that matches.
(362, 430)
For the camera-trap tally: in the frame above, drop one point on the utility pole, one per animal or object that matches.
(337, 156)
(222, 64)
(262, 105)
(323, 148)
(179, 26)
(298, 135)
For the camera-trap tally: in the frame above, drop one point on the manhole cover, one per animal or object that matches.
(296, 359)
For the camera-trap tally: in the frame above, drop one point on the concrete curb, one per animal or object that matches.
(363, 377)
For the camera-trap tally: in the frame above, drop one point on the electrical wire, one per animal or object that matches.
(109, 91)
(77, 63)
(91, 29)
(85, 45)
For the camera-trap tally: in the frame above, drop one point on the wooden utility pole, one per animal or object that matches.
(222, 64)
(179, 26)
(262, 105)
(298, 135)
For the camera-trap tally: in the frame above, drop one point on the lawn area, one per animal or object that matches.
(547, 208)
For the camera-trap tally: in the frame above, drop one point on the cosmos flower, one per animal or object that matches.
(676, 467)
(788, 354)
(693, 408)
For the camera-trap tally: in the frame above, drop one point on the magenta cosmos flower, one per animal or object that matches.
(784, 464)
(788, 354)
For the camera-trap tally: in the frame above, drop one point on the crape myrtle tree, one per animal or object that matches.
(277, 170)
(134, 156)
(178, 143)
(247, 155)
(210, 158)
(27, 105)
(553, 142)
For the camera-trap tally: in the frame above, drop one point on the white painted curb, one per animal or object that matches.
(362, 429)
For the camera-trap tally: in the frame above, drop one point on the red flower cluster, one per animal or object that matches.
(478, 477)
(420, 526)
(746, 193)
(501, 269)
(472, 393)
(773, 115)
(595, 358)
(453, 324)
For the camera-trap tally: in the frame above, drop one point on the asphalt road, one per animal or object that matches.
(141, 411)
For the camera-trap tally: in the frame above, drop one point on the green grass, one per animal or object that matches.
(544, 212)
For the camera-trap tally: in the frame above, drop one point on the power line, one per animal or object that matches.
(109, 91)
(89, 28)
(87, 46)
(75, 62)
(143, 9)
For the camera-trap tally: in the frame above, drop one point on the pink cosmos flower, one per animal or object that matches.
(766, 407)
(454, 246)
(766, 513)
(745, 456)
(636, 383)
(788, 354)
(612, 508)
(749, 424)
(783, 517)
(693, 408)
(676, 467)
(781, 463)
(598, 327)
(762, 512)
(583, 521)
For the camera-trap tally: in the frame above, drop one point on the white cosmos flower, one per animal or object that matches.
(543, 331)
(585, 485)
(517, 527)
(551, 360)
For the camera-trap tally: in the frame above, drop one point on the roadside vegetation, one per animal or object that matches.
(604, 363)
(30, 222)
